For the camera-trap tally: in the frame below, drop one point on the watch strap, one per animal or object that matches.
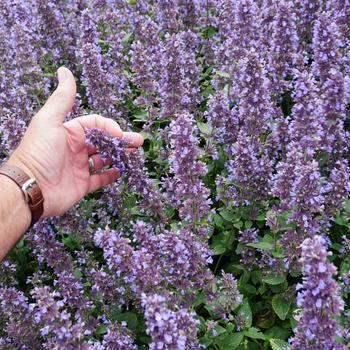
(31, 190)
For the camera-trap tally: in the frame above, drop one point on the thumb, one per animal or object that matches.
(61, 102)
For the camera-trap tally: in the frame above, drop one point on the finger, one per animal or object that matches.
(100, 180)
(94, 121)
(91, 149)
(61, 102)
(99, 163)
(133, 138)
(130, 150)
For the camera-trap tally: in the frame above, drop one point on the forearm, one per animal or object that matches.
(15, 215)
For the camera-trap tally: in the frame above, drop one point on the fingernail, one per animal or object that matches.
(62, 75)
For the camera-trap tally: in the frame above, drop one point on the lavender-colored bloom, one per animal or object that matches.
(132, 166)
(167, 14)
(17, 315)
(169, 329)
(184, 259)
(21, 78)
(50, 251)
(245, 36)
(291, 241)
(248, 255)
(58, 33)
(307, 11)
(299, 188)
(12, 130)
(116, 251)
(335, 139)
(188, 12)
(109, 148)
(319, 299)
(283, 53)
(225, 13)
(139, 181)
(338, 187)
(249, 172)
(326, 46)
(55, 324)
(103, 74)
(306, 127)
(222, 118)
(118, 338)
(254, 103)
(345, 282)
(226, 297)
(178, 86)
(145, 58)
(187, 189)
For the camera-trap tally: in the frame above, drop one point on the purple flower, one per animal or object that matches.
(186, 189)
(169, 329)
(222, 118)
(248, 256)
(178, 85)
(118, 338)
(284, 51)
(248, 173)
(319, 298)
(226, 297)
(18, 314)
(132, 166)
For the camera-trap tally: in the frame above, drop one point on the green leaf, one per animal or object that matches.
(347, 206)
(127, 38)
(245, 312)
(77, 272)
(146, 135)
(228, 215)
(254, 333)
(274, 280)
(205, 128)
(129, 317)
(238, 225)
(249, 288)
(281, 306)
(222, 242)
(278, 344)
(277, 332)
(261, 245)
(231, 341)
(102, 329)
(340, 221)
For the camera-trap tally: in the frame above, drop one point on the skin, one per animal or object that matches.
(55, 154)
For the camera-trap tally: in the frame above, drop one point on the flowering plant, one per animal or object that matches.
(230, 229)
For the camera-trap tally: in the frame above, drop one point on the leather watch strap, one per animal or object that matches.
(30, 188)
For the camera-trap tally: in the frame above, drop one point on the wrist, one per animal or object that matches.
(16, 160)
(15, 192)
(23, 178)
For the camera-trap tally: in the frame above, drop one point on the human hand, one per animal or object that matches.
(56, 155)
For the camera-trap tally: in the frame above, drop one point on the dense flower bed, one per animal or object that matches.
(230, 230)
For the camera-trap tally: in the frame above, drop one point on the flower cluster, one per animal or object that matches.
(187, 189)
(169, 329)
(319, 299)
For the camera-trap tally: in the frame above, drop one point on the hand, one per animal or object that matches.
(55, 153)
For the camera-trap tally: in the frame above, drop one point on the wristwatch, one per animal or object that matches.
(31, 190)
